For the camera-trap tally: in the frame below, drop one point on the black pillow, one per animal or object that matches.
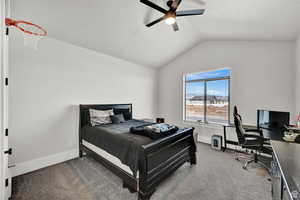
(117, 119)
(125, 111)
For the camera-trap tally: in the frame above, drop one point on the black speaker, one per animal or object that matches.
(160, 120)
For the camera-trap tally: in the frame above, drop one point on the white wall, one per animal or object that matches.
(262, 77)
(47, 86)
(297, 88)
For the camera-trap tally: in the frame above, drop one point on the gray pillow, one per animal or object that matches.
(99, 117)
(117, 119)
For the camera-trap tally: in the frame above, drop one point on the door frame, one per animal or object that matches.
(4, 171)
(2, 32)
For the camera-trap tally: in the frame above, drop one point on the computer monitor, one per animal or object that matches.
(272, 119)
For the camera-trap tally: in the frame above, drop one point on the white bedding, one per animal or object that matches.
(114, 160)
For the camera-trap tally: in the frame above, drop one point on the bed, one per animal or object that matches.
(142, 163)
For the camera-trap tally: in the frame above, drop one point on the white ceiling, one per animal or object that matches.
(116, 27)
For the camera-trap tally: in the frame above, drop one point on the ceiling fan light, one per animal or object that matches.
(170, 20)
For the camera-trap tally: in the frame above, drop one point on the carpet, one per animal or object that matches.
(217, 176)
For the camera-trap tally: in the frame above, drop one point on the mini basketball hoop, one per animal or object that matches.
(32, 33)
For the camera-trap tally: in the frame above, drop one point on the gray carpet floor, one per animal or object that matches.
(217, 176)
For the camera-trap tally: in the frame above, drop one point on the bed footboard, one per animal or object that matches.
(158, 160)
(162, 158)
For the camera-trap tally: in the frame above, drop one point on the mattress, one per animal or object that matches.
(111, 158)
(117, 140)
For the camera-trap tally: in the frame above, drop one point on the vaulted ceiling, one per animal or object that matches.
(116, 27)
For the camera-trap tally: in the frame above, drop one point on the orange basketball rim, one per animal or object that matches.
(21, 25)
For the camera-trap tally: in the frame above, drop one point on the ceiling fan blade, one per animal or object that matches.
(156, 21)
(190, 12)
(175, 26)
(154, 6)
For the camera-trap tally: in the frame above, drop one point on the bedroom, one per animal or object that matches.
(100, 52)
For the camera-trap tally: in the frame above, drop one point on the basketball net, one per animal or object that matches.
(32, 33)
(31, 41)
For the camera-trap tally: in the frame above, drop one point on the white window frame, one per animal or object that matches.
(205, 87)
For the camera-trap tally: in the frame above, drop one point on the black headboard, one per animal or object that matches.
(84, 115)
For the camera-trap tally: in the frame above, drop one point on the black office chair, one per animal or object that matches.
(253, 142)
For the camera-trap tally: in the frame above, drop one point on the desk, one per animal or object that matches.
(285, 166)
(285, 170)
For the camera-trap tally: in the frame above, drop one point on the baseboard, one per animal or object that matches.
(32, 165)
(204, 139)
(207, 140)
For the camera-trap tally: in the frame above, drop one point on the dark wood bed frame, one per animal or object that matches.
(161, 157)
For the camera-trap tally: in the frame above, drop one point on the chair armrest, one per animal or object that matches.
(253, 136)
(264, 141)
(255, 131)
(259, 138)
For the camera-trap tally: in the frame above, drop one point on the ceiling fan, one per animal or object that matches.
(171, 14)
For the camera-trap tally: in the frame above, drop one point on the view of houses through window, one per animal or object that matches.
(207, 96)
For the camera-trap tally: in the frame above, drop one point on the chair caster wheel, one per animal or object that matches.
(237, 159)
(244, 167)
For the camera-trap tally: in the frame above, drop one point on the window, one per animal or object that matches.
(207, 96)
